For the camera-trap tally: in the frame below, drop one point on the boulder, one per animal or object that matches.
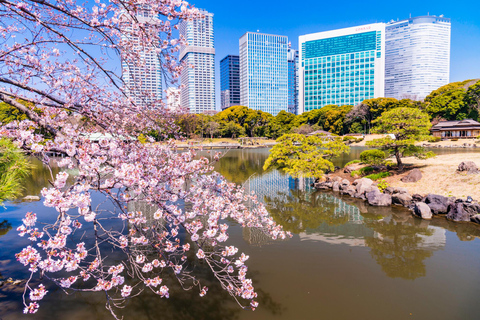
(344, 184)
(361, 186)
(412, 176)
(438, 204)
(388, 190)
(422, 210)
(400, 190)
(348, 169)
(417, 197)
(326, 185)
(31, 198)
(403, 199)
(462, 211)
(376, 198)
(350, 190)
(469, 166)
(336, 186)
(475, 218)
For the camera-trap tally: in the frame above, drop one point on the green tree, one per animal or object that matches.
(332, 119)
(281, 124)
(408, 125)
(9, 113)
(369, 110)
(14, 167)
(454, 101)
(233, 130)
(302, 156)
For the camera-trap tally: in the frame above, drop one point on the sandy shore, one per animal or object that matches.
(440, 176)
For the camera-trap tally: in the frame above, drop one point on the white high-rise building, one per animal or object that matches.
(198, 83)
(143, 77)
(417, 56)
(264, 72)
(342, 67)
(173, 99)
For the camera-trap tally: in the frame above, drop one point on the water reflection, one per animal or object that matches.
(5, 226)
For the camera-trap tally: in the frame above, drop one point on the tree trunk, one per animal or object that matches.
(399, 159)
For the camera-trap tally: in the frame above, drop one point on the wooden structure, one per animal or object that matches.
(463, 129)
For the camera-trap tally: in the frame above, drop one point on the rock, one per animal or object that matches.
(462, 211)
(403, 199)
(376, 198)
(438, 204)
(2, 283)
(337, 179)
(348, 169)
(412, 176)
(31, 198)
(336, 186)
(417, 197)
(361, 186)
(400, 190)
(344, 184)
(469, 166)
(326, 185)
(475, 218)
(422, 210)
(350, 190)
(388, 190)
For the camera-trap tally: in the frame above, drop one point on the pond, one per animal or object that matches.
(346, 259)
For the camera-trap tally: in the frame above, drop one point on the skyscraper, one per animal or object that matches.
(417, 56)
(264, 72)
(292, 57)
(342, 67)
(229, 81)
(198, 83)
(142, 76)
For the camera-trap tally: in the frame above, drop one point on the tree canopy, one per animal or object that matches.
(408, 125)
(305, 156)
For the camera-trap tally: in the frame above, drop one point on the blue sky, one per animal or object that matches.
(294, 18)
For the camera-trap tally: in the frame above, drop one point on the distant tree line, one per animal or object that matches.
(454, 101)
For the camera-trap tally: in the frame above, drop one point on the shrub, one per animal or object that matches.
(434, 139)
(374, 157)
(361, 172)
(454, 139)
(352, 162)
(380, 175)
(382, 185)
(389, 164)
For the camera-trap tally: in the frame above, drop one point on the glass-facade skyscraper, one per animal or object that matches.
(264, 72)
(417, 56)
(198, 83)
(342, 67)
(292, 57)
(143, 77)
(229, 81)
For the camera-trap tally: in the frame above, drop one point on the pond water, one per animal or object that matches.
(346, 259)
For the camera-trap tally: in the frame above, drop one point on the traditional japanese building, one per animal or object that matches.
(467, 128)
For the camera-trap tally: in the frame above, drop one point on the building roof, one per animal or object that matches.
(466, 124)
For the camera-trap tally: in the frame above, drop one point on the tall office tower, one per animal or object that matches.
(342, 67)
(198, 83)
(143, 77)
(264, 72)
(229, 81)
(292, 56)
(417, 56)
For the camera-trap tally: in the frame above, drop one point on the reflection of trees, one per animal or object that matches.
(238, 165)
(300, 210)
(5, 226)
(398, 246)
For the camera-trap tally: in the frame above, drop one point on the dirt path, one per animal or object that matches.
(440, 176)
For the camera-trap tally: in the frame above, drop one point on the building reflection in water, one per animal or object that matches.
(398, 242)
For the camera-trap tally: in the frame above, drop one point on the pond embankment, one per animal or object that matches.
(441, 185)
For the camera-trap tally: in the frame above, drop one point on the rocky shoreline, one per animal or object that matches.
(425, 207)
